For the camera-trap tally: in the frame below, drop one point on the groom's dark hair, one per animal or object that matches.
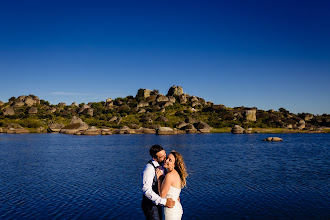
(155, 149)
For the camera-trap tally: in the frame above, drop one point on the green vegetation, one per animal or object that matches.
(124, 111)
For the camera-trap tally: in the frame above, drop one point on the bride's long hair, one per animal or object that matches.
(180, 167)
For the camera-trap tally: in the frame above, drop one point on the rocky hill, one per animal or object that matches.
(147, 112)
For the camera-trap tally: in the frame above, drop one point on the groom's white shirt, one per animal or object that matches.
(148, 175)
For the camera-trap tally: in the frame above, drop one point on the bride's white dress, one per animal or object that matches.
(175, 212)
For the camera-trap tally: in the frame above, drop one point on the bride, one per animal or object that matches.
(170, 185)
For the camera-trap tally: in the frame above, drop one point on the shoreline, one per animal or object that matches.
(212, 130)
(273, 131)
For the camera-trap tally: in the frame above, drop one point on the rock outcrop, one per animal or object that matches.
(143, 104)
(143, 93)
(250, 114)
(165, 131)
(8, 111)
(55, 127)
(91, 131)
(237, 130)
(75, 126)
(273, 139)
(175, 91)
(202, 127)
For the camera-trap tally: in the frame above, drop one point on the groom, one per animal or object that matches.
(152, 203)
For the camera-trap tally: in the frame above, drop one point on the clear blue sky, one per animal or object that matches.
(264, 54)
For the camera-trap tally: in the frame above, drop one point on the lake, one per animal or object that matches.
(56, 176)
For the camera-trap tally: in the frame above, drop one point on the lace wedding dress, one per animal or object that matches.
(175, 212)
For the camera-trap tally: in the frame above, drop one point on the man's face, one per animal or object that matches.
(160, 156)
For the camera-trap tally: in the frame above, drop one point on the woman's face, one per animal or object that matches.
(170, 161)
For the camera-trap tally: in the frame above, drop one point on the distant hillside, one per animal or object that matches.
(150, 109)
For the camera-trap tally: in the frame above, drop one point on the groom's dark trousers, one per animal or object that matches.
(150, 210)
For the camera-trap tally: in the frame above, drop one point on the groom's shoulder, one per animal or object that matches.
(149, 165)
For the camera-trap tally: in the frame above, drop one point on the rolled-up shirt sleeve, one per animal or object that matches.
(148, 175)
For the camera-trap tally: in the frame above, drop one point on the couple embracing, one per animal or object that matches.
(162, 180)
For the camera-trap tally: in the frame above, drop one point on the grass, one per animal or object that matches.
(221, 130)
(326, 130)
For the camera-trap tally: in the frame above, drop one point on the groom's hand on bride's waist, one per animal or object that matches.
(169, 203)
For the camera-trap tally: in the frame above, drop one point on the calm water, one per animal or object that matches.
(55, 176)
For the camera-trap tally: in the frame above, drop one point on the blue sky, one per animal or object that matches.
(264, 54)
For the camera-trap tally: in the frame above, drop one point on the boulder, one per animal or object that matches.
(152, 98)
(70, 131)
(171, 99)
(148, 131)
(108, 104)
(75, 120)
(237, 130)
(89, 111)
(202, 127)
(75, 125)
(114, 118)
(143, 104)
(17, 131)
(161, 98)
(143, 93)
(273, 139)
(11, 131)
(55, 127)
(22, 97)
(91, 131)
(191, 120)
(83, 109)
(193, 99)
(33, 110)
(162, 119)
(189, 128)
(195, 103)
(18, 103)
(175, 91)
(106, 131)
(118, 103)
(29, 101)
(248, 131)
(74, 104)
(165, 131)
(1, 103)
(250, 114)
(202, 101)
(141, 111)
(133, 126)
(108, 100)
(126, 130)
(8, 111)
(301, 124)
(41, 129)
(61, 104)
(181, 125)
(183, 99)
(166, 104)
(51, 110)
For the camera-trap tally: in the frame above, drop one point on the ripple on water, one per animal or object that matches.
(230, 176)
